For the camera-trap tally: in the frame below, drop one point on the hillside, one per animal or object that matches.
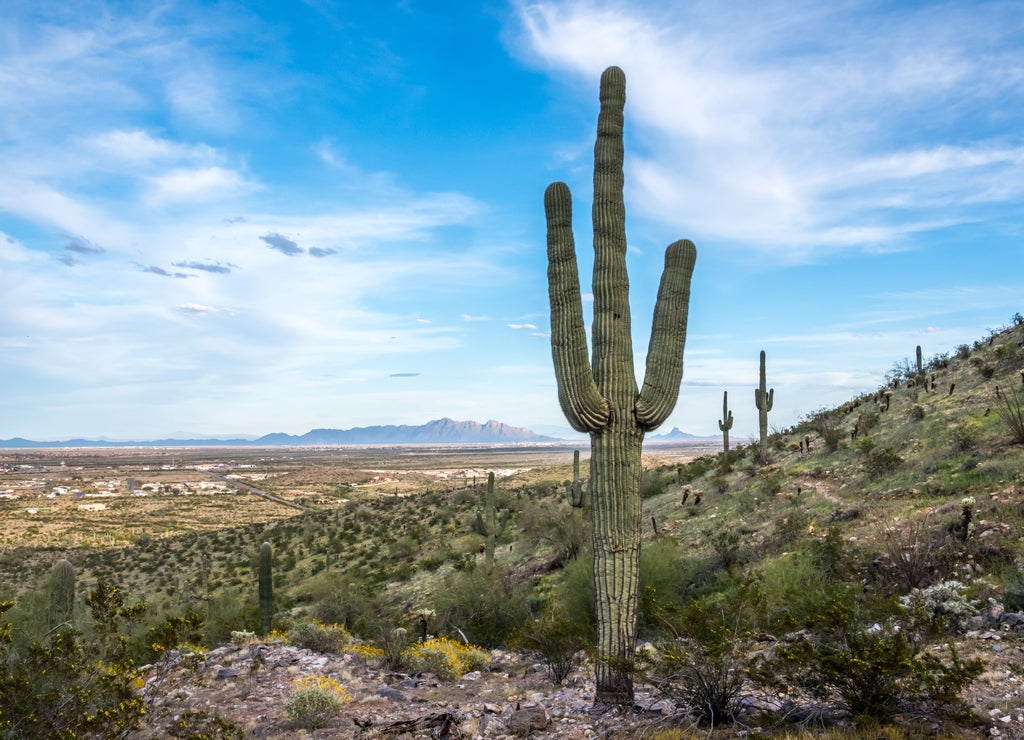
(892, 496)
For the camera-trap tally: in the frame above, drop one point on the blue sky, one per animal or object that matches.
(265, 217)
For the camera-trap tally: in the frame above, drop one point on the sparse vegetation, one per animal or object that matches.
(915, 524)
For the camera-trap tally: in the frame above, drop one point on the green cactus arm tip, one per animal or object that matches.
(578, 396)
(664, 370)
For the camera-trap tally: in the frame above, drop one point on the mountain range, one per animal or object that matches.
(439, 431)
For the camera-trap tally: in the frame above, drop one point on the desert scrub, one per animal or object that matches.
(868, 673)
(447, 659)
(316, 701)
(939, 608)
(319, 637)
(68, 687)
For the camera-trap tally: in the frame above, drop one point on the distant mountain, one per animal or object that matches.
(439, 431)
(674, 436)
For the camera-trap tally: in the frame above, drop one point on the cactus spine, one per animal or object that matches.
(605, 401)
(763, 399)
(725, 424)
(61, 589)
(266, 588)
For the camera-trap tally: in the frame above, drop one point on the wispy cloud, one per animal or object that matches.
(215, 267)
(521, 326)
(799, 148)
(282, 244)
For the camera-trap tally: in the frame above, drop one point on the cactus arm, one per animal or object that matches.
(612, 337)
(664, 370)
(578, 395)
(771, 398)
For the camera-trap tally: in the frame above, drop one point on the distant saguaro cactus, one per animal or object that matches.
(489, 523)
(575, 489)
(725, 423)
(604, 401)
(920, 368)
(61, 588)
(266, 581)
(763, 399)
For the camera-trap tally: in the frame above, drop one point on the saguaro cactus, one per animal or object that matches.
(919, 368)
(61, 588)
(575, 489)
(763, 399)
(266, 587)
(725, 423)
(489, 524)
(604, 401)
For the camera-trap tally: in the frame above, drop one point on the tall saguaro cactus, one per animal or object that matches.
(604, 400)
(725, 423)
(61, 587)
(763, 399)
(266, 581)
(490, 525)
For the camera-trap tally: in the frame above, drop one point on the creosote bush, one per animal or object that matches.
(319, 637)
(557, 640)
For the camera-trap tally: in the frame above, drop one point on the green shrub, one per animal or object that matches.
(882, 461)
(319, 637)
(69, 687)
(916, 412)
(869, 673)
(557, 641)
(487, 607)
(316, 702)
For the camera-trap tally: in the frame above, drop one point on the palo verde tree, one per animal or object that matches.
(604, 400)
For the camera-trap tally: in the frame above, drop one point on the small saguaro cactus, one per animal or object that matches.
(604, 401)
(266, 581)
(725, 423)
(489, 524)
(763, 399)
(575, 488)
(920, 369)
(61, 588)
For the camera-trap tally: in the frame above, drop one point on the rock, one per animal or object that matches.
(1011, 620)
(389, 693)
(523, 721)
(228, 673)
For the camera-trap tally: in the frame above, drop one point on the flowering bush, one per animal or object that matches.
(447, 659)
(68, 687)
(317, 700)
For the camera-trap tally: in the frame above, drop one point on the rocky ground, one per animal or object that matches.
(249, 684)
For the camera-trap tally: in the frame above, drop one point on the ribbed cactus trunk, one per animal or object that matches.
(763, 399)
(604, 401)
(61, 589)
(492, 523)
(725, 423)
(920, 369)
(266, 581)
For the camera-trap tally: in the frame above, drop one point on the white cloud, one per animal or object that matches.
(798, 147)
(201, 184)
